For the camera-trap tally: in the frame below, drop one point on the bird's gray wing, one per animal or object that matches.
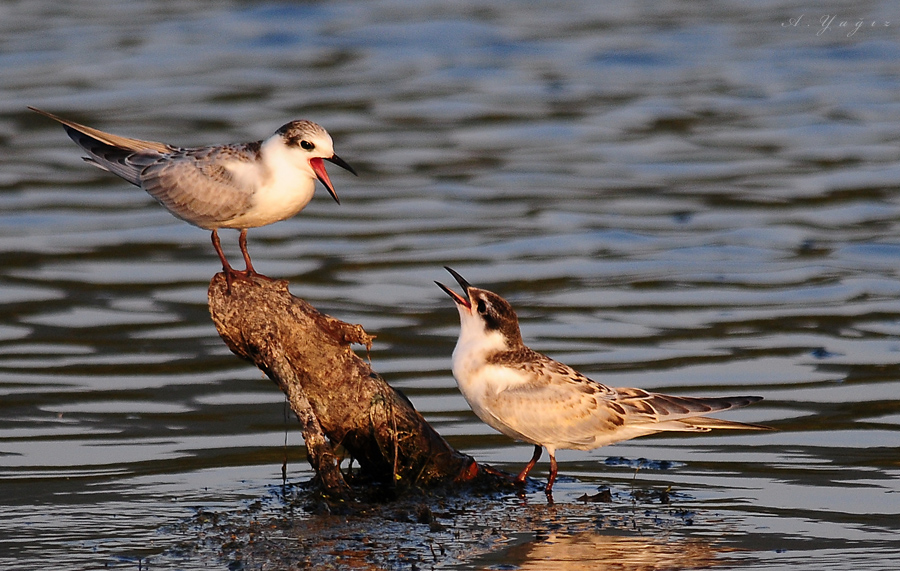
(124, 143)
(119, 155)
(196, 186)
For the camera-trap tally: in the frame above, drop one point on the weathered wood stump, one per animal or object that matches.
(336, 396)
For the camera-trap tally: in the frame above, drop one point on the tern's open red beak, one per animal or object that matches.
(319, 168)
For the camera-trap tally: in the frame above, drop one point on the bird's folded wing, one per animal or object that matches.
(572, 411)
(682, 413)
(558, 411)
(196, 186)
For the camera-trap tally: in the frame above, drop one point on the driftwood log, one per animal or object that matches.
(336, 396)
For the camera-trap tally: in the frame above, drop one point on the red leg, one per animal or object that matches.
(549, 489)
(242, 242)
(538, 450)
(249, 272)
(226, 267)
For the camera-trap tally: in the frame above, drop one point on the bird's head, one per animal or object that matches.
(483, 312)
(307, 145)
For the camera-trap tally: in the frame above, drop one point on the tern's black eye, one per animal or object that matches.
(481, 306)
(306, 145)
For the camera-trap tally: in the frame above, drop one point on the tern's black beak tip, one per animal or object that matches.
(343, 164)
(459, 279)
(330, 189)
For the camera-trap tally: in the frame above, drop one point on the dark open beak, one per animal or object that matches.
(460, 300)
(342, 163)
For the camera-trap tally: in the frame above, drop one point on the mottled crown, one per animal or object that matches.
(295, 132)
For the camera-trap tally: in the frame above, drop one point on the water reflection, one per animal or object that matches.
(590, 550)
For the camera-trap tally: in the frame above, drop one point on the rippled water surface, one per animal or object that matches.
(699, 198)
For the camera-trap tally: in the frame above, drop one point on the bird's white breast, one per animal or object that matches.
(473, 347)
(480, 381)
(281, 188)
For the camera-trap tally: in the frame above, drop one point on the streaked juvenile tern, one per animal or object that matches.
(530, 397)
(240, 186)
